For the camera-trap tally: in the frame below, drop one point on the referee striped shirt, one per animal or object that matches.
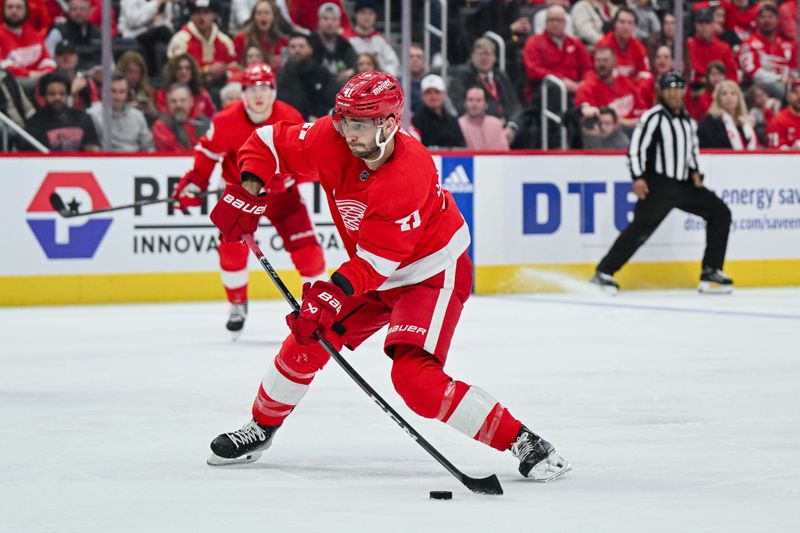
(665, 144)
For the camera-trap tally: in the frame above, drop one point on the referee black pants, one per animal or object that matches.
(666, 194)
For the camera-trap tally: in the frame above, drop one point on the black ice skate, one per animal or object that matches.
(241, 446)
(714, 281)
(605, 282)
(236, 319)
(538, 459)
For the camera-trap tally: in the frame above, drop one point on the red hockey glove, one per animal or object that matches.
(237, 212)
(279, 183)
(321, 305)
(188, 188)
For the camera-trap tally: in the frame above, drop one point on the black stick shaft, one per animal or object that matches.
(58, 204)
(489, 485)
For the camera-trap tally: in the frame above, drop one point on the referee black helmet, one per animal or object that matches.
(672, 80)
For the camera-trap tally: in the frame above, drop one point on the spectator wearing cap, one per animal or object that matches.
(592, 19)
(58, 126)
(150, 23)
(77, 29)
(83, 90)
(303, 84)
(783, 131)
(129, 130)
(704, 47)
(727, 125)
(305, 13)
(554, 52)
(176, 130)
(481, 131)
(202, 39)
(481, 71)
(604, 132)
(365, 40)
(631, 54)
(767, 58)
(436, 127)
(14, 103)
(787, 20)
(264, 30)
(605, 88)
(331, 50)
(22, 50)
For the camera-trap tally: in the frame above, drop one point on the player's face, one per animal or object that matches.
(360, 136)
(259, 98)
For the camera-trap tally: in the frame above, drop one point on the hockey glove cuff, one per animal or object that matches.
(237, 212)
(320, 308)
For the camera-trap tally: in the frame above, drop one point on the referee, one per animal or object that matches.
(663, 163)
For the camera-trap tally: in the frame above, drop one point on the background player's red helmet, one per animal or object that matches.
(258, 74)
(369, 94)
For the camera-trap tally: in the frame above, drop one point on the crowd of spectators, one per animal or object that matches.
(177, 63)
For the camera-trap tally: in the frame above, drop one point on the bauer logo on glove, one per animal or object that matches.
(238, 212)
(240, 204)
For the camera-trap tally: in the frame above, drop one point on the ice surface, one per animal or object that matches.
(679, 413)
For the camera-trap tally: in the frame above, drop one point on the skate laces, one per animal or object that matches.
(238, 311)
(522, 446)
(251, 432)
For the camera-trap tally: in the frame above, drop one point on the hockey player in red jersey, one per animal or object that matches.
(287, 212)
(408, 269)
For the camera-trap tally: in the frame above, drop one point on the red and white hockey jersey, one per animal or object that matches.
(783, 131)
(21, 54)
(228, 132)
(398, 225)
(622, 95)
(766, 61)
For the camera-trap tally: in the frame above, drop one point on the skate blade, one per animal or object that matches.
(606, 289)
(235, 335)
(216, 460)
(550, 469)
(708, 287)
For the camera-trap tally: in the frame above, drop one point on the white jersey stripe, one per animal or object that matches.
(472, 411)
(381, 265)
(439, 310)
(266, 133)
(208, 153)
(234, 280)
(282, 389)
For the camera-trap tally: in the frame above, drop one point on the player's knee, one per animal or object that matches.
(420, 381)
(309, 260)
(302, 359)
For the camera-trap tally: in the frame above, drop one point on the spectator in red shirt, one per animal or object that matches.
(262, 30)
(766, 57)
(704, 48)
(787, 20)
(631, 54)
(783, 130)
(22, 50)
(663, 62)
(740, 17)
(202, 39)
(176, 131)
(554, 52)
(38, 17)
(605, 88)
(184, 70)
(762, 108)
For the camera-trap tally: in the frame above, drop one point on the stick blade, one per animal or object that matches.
(58, 204)
(487, 485)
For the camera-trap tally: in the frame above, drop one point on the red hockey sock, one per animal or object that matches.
(233, 262)
(420, 380)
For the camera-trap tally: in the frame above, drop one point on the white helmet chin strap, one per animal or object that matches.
(382, 145)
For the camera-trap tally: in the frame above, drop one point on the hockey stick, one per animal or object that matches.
(61, 208)
(487, 485)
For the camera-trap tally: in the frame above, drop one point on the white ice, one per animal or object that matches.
(678, 411)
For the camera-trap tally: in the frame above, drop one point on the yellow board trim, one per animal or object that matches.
(127, 288)
(199, 286)
(563, 277)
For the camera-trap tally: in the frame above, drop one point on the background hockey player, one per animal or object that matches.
(286, 210)
(408, 268)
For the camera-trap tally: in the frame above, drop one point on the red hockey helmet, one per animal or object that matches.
(258, 74)
(369, 94)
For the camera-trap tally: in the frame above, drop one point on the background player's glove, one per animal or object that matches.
(321, 305)
(237, 212)
(279, 183)
(188, 188)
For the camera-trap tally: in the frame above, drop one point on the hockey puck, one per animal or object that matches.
(441, 495)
